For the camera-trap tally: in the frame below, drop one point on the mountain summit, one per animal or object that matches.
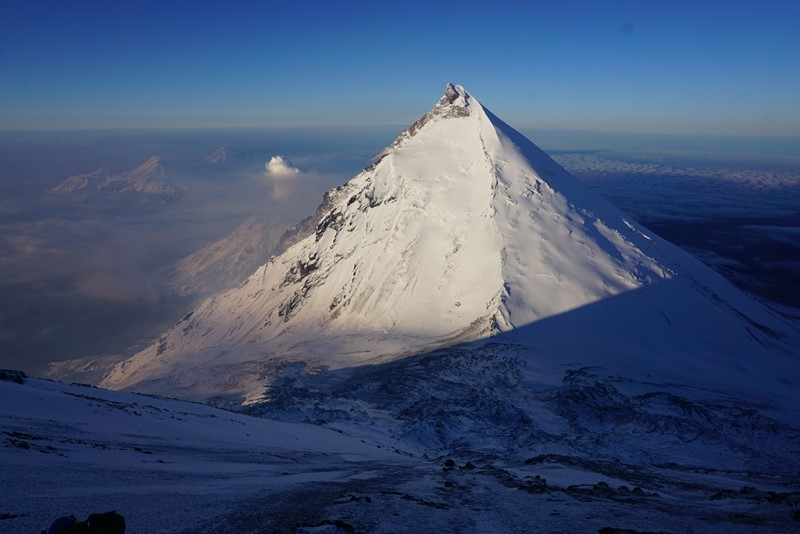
(462, 229)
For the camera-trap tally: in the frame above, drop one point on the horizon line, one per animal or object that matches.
(564, 129)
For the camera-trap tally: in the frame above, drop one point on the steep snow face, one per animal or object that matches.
(462, 228)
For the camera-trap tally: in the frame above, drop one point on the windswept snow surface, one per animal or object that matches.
(165, 465)
(175, 467)
(460, 230)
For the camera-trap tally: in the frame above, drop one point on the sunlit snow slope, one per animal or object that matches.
(460, 230)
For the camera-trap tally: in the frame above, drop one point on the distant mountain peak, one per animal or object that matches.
(224, 154)
(149, 178)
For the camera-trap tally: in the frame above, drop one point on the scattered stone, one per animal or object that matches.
(536, 485)
(354, 498)
(336, 524)
(13, 376)
(603, 490)
(423, 502)
(612, 530)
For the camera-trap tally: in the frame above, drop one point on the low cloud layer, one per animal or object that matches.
(83, 277)
(744, 222)
(664, 192)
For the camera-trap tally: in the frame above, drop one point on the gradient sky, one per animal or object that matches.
(722, 67)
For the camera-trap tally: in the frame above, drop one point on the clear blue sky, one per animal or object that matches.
(729, 67)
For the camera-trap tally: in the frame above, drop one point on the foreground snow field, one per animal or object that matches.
(173, 466)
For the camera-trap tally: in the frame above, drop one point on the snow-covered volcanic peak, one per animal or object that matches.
(224, 154)
(461, 229)
(229, 260)
(149, 178)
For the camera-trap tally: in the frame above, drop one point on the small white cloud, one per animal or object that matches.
(279, 167)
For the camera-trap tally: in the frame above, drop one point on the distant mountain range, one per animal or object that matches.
(149, 178)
